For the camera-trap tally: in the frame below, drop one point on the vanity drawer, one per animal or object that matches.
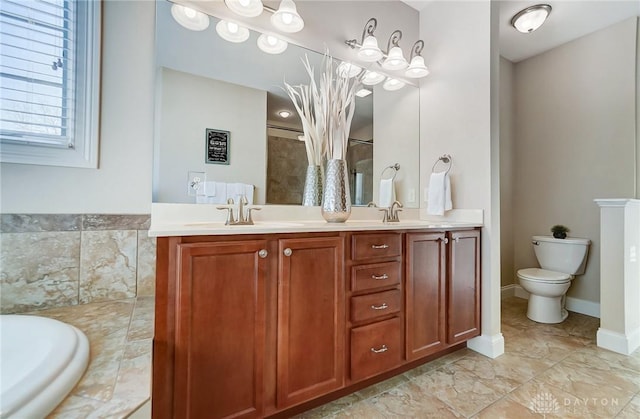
(375, 348)
(370, 306)
(377, 245)
(365, 277)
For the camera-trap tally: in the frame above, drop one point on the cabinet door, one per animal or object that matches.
(220, 330)
(425, 308)
(311, 324)
(463, 285)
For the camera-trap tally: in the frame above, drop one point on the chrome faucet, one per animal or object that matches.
(244, 214)
(391, 213)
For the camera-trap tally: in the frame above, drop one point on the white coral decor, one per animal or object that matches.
(326, 111)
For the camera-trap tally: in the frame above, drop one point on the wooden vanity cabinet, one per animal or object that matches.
(463, 286)
(425, 293)
(272, 324)
(376, 309)
(219, 329)
(310, 343)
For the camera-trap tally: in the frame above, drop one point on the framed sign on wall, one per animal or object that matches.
(217, 146)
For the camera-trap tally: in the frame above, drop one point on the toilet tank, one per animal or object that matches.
(561, 255)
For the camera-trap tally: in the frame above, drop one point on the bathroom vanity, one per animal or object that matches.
(280, 318)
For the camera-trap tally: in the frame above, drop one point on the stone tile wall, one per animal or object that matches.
(57, 260)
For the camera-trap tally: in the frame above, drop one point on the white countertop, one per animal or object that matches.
(198, 220)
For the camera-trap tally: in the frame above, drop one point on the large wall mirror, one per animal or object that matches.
(206, 83)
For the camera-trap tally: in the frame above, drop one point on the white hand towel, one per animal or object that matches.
(437, 197)
(387, 193)
(209, 189)
(447, 193)
(248, 192)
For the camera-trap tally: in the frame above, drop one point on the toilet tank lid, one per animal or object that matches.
(570, 240)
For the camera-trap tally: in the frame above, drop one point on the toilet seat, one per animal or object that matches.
(545, 276)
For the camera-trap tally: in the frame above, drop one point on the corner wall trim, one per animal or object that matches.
(617, 342)
(489, 346)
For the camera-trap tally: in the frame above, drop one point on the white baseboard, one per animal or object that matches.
(489, 346)
(513, 290)
(583, 307)
(618, 342)
(576, 305)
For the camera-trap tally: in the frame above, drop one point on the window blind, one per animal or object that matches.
(37, 72)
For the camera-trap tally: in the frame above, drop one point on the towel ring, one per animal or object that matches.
(446, 159)
(395, 168)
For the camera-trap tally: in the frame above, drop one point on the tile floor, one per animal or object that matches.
(118, 378)
(546, 371)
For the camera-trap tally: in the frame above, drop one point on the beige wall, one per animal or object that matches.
(575, 141)
(456, 118)
(507, 128)
(188, 105)
(122, 183)
(396, 133)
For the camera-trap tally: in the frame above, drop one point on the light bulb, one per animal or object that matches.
(272, 40)
(233, 27)
(189, 12)
(244, 3)
(287, 18)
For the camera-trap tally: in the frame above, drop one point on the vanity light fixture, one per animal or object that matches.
(417, 68)
(392, 60)
(368, 48)
(395, 58)
(531, 18)
(286, 18)
(363, 92)
(393, 84)
(284, 114)
(348, 70)
(232, 32)
(189, 18)
(371, 78)
(271, 44)
(246, 8)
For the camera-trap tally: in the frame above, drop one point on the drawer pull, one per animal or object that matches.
(287, 252)
(263, 253)
(384, 306)
(379, 246)
(382, 349)
(380, 277)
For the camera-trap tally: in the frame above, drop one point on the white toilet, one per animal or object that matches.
(560, 260)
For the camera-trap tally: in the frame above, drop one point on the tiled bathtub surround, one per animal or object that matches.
(57, 260)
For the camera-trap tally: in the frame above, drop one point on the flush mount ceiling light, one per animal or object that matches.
(190, 18)
(363, 92)
(348, 70)
(232, 32)
(395, 58)
(286, 18)
(417, 68)
(371, 78)
(393, 84)
(246, 8)
(531, 18)
(271, 44)
(284, 114)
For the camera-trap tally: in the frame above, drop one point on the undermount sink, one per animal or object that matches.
(256, 224)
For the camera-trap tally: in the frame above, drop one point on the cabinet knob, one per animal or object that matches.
(446, 240)
(380, 277)
(383, 348)
(383, 306)
(379, 246)
(287, 252)
(263, 253)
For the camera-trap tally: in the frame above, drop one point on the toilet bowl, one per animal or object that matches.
(560, 260)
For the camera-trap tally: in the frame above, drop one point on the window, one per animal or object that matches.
(49, 82)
